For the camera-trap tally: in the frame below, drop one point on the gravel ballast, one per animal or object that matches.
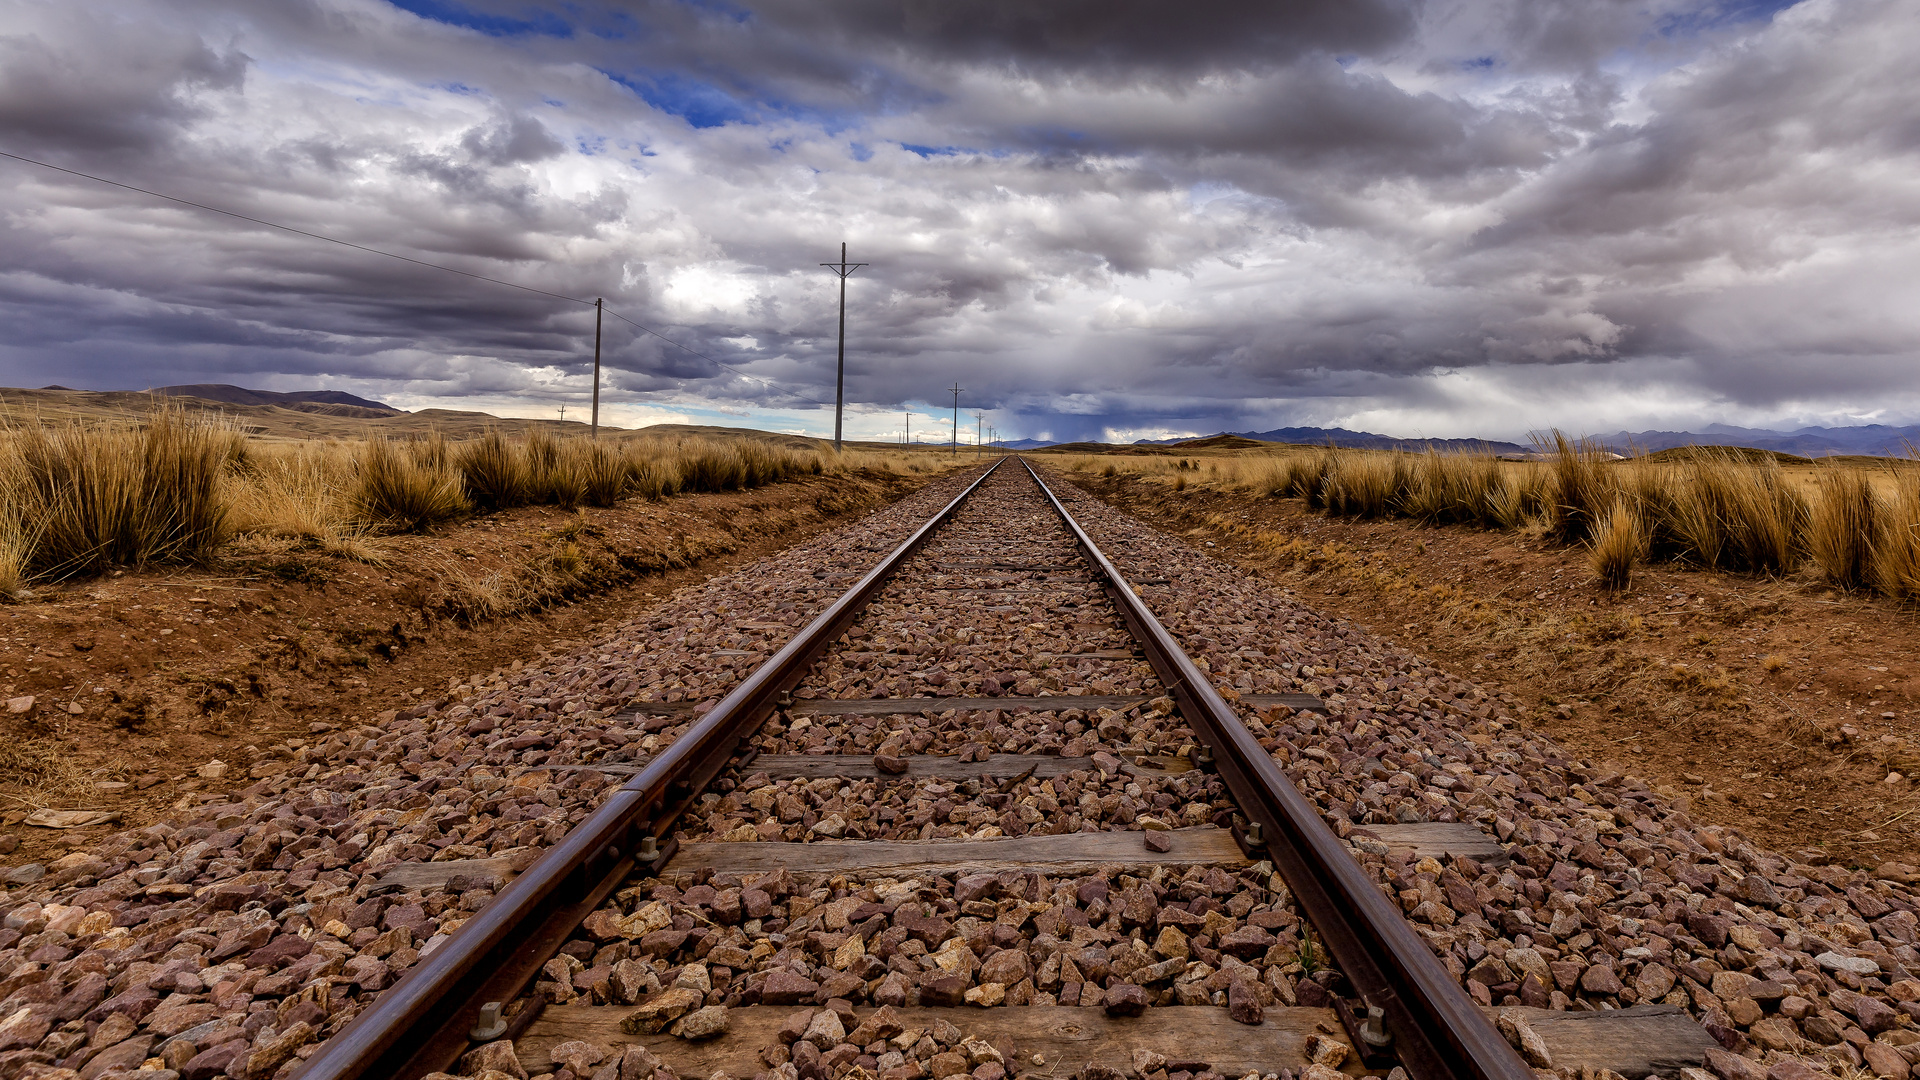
(232, 940)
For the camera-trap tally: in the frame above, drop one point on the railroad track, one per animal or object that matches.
(840, 833)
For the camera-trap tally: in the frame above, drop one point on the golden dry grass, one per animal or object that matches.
(1841, 526)
(1894, 568)
(1617, 545)
(1856, 525)
(120, 495)
(175, 486)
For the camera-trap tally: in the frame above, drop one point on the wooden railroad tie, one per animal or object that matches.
(1057, 853)
(1637, 1042)
(908, 706)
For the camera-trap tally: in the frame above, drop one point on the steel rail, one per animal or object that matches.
(1437, 1031)
(422, 1023)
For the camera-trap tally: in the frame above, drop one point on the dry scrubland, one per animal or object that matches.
(179, 596)
(1760, 659)
(78, 499)
(1856, 526)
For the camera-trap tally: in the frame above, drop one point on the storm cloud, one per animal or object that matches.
(1113, 220)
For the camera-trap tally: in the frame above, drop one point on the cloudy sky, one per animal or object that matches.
(1101, 218)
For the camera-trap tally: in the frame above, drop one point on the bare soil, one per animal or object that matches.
(140, 679)
(1778, 706)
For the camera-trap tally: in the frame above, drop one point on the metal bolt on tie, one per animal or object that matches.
(490, 1025)
(1374, 1028)
(649, 849)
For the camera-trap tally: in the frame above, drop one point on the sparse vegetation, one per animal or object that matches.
(172, 487)
(1711, 507)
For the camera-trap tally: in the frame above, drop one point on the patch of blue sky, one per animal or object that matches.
(533, 22)
(860, 151)
(1718, 15)
(704, 104)
(937, 151)
(1479, 63)
(700, 104)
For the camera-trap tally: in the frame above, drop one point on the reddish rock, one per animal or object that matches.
(943, 990)
(1243, 1002)
(1600, 979)
(786, 988)
(1126, 999)
(1246, 943)
(135, 1004)
(214, 1060)
(1729, 1066)
(280, 952)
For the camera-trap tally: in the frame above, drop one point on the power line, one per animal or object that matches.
(391, 255)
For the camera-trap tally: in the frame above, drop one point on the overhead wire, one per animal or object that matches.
(392, 255)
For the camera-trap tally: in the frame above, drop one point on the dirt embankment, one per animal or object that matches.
(140, 680)
(1777, 706)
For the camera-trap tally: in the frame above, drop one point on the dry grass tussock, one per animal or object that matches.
(1618, 544)
(86, 498)
(77, 499)
(1715, 509)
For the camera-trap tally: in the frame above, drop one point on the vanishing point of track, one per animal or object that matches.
(1018, 539)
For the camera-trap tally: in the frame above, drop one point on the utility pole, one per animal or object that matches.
(599, 304)
(955, 388)
(979, 428)
(906, 437)
(563, 413)
(843, 268)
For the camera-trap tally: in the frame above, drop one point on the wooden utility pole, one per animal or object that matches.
(599, 304)
(955, 388)
(843, 268)
(979, 429)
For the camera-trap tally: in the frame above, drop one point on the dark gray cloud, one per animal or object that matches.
(1118, 40)
(1120, 218)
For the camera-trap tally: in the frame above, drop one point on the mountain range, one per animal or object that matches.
(1358, 440)
(1878, 440)
(302, 400)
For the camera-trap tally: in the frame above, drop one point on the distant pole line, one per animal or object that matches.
(598, 304)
